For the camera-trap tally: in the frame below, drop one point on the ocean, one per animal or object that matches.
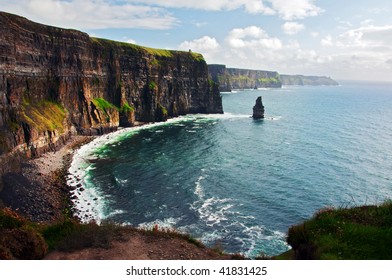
(238, 183)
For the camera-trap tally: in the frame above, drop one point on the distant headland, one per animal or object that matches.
(235, 78)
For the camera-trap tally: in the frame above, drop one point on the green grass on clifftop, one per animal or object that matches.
(152, 51)
(357, 233)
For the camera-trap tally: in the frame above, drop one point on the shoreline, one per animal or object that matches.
(44, 190)
(88, 203)
(39, 191)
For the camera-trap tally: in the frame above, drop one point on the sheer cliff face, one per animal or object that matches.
(56, 82)
(234, 78)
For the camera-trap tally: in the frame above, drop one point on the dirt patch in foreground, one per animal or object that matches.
(135, 245)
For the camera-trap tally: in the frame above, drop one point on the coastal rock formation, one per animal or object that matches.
(300, 80)
(258, 109)
(234, 78)
(55, 83)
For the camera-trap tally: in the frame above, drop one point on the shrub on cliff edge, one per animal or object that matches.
(19, 239)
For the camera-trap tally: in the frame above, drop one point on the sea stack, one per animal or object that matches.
(258, 109)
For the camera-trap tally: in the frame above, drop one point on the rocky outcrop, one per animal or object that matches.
(258, 109)
(234, 78)
(55, 83)
(300, 80)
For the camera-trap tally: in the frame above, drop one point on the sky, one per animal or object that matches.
(343, 39)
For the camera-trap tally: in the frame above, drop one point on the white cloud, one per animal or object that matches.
(296, 9)
(314, 34)
(252, 37)
(286, 9)
(367, 37)
(148, 14)
(247, 48)
(203, 44)
(92, 14)
(131, 41)
(327, 41)
(361, 53)
(258, 7)
(208, 5)
(253, 48)
(292, 27)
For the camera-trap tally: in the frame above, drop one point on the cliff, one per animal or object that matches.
(56, 82)
(300, 80)
(234, 78)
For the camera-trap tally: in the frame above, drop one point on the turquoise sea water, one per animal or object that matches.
(240, 183)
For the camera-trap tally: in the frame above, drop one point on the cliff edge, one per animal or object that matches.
(55, 83)
(235, 78)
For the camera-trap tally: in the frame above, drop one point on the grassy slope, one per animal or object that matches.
(354, 233)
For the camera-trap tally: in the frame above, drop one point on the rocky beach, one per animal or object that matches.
(39, 192)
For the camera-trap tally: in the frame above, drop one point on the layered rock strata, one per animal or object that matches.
(55, 83)
(229, 79)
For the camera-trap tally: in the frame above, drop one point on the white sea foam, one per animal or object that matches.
(212, 237)
(211, 210)
(273, 118)
(116, 212)
(90, 204)
(219, 216)
(264, 88)
(198, 188)
(169, 223)
(121, 181)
